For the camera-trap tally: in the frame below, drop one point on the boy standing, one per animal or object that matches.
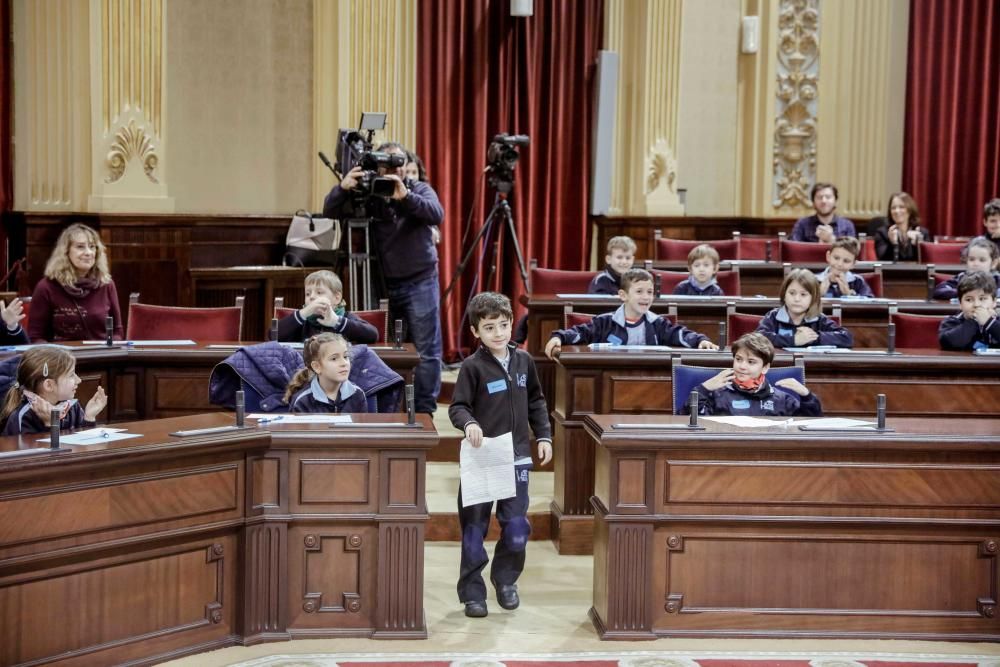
(497, 392)
(620, 257)
(703, 263)
(744, 389)
(836, 280)
(977, 326)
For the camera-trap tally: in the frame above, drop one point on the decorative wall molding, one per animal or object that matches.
(130, 142)
(794, 159)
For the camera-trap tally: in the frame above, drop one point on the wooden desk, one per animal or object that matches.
(152, 382)
(922, 383)
(156, 547)
(780, 533)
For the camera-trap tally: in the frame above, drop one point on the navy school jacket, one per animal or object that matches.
(312, 398)
(690, 288)
(610, 328)
(607, 281)
(957, 332)
(24, 420)
(778, 328)
(293, 328)
(854, 281)
(949, 289)
(765, 402)
(501, 401)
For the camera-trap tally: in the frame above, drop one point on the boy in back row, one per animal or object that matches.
(976, 327)
(497, 392)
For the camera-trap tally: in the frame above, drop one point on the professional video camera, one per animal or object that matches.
(501, 158)
(355, 149)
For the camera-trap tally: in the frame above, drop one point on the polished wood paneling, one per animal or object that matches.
(334, 481)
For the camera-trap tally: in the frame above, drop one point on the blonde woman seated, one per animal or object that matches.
(77, 294)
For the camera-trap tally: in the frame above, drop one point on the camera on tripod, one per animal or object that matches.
(501, 158)
(355, 149)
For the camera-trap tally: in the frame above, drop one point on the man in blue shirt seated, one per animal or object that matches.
(825, 226)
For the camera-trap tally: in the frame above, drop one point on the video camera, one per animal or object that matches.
(501, 158)
(355, 149)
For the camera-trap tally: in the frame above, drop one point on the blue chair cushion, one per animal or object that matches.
(686, 378)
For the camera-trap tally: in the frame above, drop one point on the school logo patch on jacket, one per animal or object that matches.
(522, 379)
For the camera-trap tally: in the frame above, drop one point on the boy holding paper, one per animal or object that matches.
(497, 392)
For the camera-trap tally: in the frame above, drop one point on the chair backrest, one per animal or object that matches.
(669, 279)
(556, 281)
(868, 252)
(756, 247)
(952, 239)
(941, 277)
(377, 318)
(738, 324)
(874, 280)
(149, 322)
(799, 252)
(685, 378)
(939, 253)
(916, 331)
(678, 249)
(281, 312)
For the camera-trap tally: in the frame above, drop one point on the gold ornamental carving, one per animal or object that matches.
(661, 169)
(798, 84)
(131, 142)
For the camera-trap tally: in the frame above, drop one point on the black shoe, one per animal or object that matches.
(507, 595)
(476, 608)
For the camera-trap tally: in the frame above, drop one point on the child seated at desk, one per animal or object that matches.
(322, 386)
(800, 321)
(47, 380)
(325, 311)
(620, 257)
(631, 324)
(980, 254)
(703, 264)
(744, 389)
(836, 280)
(977, 326)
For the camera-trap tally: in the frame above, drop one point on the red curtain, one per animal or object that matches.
(482, 72)
(6, 126)
(951, 156)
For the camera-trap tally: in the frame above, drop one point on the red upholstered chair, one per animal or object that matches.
(756, 247)
(916, 331)
(678, 249)
(939, 253)
(952, 239)
(867, 248)
(279, 311)
(803, 252)
(377, 318)
(669, 279)
(148, 322)
(874, 280)
(558, 281)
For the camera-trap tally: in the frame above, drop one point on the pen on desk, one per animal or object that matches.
(268, 420)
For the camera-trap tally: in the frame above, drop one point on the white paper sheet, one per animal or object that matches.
(94, 436)
(301, 419)
(22, 348)
(835, 422)
(987, 352)
(747, 422)
(487, 471)
(180, 341)
(632, 348)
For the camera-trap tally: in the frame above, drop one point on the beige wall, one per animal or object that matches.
(239, 105)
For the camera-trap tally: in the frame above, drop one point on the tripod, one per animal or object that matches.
(500, 216)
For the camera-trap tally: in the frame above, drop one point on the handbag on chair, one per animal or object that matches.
(311, 241)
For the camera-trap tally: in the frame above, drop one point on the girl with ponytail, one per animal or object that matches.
(322, 386)
(47, 380)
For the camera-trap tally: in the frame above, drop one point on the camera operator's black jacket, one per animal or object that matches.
(401, 230)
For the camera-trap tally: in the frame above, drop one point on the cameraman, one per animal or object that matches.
(401, 231)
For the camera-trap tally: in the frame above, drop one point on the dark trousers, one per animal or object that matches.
(508, 557)
(419, 304)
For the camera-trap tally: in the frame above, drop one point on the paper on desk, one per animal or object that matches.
(746, 422)
(94, 436)
(181, 341)
(814, 348)
(302, 419)
(582, 296)
(631, 348)
(487, 471)
(835, 422)
(987, 352)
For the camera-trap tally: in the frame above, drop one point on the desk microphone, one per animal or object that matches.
(657, 285)
(693, 408)
(240, 409)
(722, 335)
(109, 330)
(767, 251)
(892, 338)
(54, 428)
(880, 411)
(274, 329)
(411, 416)
(397, 335)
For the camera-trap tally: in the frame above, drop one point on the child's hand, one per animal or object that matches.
(805, 335)
(707, 345)
(95, 405)
(544, 451)
(824, 285)
(793, 385)
(552, 348)
(12, 313)
(719, 380)
(982, 315)
(40, 407)
(320, 307)
(845, 288)
(474, 434)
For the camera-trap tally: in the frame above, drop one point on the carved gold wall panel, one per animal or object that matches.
(364, 60)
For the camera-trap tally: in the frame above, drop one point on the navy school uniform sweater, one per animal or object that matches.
(312, 398)
(612, 328)
(24, 420)
(958, 332)
(949, 289)
(607, 281)
(16, 337)
(501, 400)
(778, 327)
(766, 401)
(690, 287)
(295, 329)
(854, 281)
